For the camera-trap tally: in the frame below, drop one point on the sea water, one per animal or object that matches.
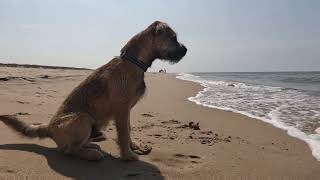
(288, 100)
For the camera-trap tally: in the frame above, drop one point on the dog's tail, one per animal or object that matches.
(28, 130)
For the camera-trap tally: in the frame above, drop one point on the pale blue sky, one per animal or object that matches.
(221, 35)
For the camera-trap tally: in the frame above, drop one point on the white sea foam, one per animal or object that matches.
(286, 109)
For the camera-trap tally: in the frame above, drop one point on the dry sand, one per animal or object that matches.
(227, 146)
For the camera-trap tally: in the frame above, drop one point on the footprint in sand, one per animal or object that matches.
(186, 156)
(172, 121)
(147, 115)
(179, 161)
(22, 113)
(23, 102)
(5, 169)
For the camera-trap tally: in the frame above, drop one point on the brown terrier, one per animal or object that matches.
(108, 93)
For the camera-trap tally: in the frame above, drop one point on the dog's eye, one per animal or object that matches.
(174, 38)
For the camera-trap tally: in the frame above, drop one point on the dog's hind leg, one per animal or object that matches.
(97, 136)
(89, 154)
(72, 136)
(92, 146)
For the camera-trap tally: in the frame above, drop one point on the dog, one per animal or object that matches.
(107, 94)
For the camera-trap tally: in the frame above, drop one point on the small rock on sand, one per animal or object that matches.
(192, 125)
(44, 76)
(194, 156)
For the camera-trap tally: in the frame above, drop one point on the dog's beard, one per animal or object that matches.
(171, 60)
(173, 55)
(174, 58)
(174, 61)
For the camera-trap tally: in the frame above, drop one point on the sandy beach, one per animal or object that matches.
(224, 145)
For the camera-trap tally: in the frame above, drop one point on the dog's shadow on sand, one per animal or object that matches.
(109, 168)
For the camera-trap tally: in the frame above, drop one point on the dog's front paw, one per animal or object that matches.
(134, 145)
(139, 149)
(129, 156)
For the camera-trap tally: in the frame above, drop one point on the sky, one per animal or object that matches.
(221, 35)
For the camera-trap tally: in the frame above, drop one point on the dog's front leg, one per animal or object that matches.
(123, 130)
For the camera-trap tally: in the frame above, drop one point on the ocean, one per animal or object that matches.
(287, 100)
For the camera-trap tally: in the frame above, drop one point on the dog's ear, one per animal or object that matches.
(158, 27)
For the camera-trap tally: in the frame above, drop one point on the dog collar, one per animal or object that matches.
(135, 61)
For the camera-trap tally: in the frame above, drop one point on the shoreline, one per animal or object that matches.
(227, 145)
(291, 131)
(268, 143)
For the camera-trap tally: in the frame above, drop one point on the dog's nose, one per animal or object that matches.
(183, 49)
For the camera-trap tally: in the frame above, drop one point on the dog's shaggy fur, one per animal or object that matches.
(108, 93)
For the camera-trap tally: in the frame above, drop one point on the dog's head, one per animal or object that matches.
(157, 41)
(166, 44)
